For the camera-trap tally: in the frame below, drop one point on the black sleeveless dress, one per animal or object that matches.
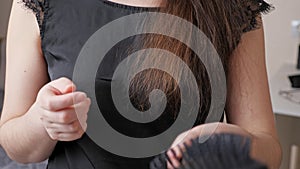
(65, 26)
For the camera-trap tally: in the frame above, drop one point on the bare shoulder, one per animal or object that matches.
(248, 102)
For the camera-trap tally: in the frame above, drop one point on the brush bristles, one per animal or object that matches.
(220, 151)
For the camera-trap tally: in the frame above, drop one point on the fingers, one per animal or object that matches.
(64, 128)
(178, 147)
(58, 102)
(64, 116)
(69, 89)
(64, 85)
(81, 110)
(175, 154)
(59, 94)
(174, 158)
(68, 115)
(70, 136)
(63, 110)
(68, 124)
(64, 136)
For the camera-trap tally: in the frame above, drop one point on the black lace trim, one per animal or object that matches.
(247, 17)
(254, 8)
(39, 8)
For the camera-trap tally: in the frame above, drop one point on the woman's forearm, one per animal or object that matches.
(266, 149)
(25, 139)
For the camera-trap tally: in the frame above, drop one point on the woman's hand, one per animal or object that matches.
(202, 130)
(63, 110)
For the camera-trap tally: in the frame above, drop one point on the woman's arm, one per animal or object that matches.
(248, 101)
(248, 106)
(35, 116)
(22, 135)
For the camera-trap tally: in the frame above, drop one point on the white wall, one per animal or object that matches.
(5, 6)
(4, 15)
(281, 46)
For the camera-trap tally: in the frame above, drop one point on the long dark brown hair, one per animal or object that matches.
(222, 21)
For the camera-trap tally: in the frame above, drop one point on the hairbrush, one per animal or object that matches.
(219, 151)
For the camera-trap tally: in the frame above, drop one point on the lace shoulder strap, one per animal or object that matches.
(39, 8)
(254, 8)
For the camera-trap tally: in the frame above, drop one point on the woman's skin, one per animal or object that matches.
(41, 113)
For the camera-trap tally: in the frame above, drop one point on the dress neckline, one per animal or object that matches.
(129, 7)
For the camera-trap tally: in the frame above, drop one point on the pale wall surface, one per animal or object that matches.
(4, 14)
(281, 46)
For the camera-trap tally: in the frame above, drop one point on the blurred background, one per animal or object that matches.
(282, 43)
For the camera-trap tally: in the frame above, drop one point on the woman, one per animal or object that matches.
(41, 99)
